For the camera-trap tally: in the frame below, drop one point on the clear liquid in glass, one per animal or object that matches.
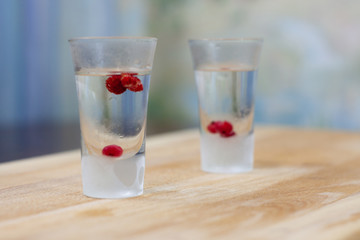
(110, 119)
(226, 95)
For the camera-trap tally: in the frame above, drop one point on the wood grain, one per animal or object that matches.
(305, 185)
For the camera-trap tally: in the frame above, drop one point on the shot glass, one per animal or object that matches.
(112, 80)
(225, 75)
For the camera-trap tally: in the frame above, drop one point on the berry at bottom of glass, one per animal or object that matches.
(226, 108)
(113, 108)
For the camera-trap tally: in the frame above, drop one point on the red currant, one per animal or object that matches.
(112, 151)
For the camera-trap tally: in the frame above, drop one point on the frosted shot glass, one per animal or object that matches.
(225, 75)
(112, 77)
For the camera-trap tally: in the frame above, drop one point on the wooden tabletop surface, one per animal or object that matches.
(305, 185)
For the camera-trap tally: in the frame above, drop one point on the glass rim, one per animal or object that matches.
(240, 39)
(112, 38)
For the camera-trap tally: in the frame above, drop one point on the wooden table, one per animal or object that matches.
(306, 185)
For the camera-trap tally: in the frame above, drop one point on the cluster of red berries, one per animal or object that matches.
(112, 151)
(223, 127)
(118, 84)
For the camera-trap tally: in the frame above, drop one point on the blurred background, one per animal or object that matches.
(309, 74)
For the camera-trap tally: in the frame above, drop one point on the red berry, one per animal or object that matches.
(224, 127)
(137, 86)
(131, 82)
(226, 135)
(212, 127)
(127, 80)
(118, 84)
(114, 85)
(112, 151)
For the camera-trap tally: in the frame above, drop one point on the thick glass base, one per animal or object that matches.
(104, 177)
(227, 155)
